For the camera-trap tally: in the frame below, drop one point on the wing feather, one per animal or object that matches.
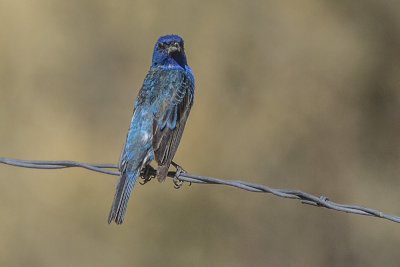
(170, 119)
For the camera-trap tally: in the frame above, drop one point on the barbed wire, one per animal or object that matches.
(181, 176)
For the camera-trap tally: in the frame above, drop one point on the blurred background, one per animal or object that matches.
(299, 95)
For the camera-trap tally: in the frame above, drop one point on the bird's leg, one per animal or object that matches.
(147, 173)
(179, 170)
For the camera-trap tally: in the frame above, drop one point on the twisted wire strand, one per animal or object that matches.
(183, 176)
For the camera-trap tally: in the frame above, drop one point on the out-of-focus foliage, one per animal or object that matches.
(302, 95)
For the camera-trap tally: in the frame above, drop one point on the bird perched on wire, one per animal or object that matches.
(160, 113)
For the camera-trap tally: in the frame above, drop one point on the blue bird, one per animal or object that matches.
(160, 113)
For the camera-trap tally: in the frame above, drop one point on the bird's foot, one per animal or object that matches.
(147, 173)
(179, 170)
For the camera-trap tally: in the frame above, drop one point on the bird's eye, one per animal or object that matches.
(161, 45)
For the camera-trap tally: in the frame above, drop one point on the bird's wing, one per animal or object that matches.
(171, 110)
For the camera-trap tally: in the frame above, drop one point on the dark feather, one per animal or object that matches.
(123, 190)
(170, 121)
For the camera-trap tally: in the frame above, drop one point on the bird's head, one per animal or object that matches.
(169, 51)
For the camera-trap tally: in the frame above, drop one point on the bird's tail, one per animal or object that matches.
(123, 190)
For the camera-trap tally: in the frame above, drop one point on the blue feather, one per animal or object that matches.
(160, 112)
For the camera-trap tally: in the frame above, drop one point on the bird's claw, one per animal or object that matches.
(177, 183)
(179, 170)
(147, 174)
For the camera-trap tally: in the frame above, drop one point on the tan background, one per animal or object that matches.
(291, 94)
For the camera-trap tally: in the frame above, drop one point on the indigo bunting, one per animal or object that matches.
(160, 113)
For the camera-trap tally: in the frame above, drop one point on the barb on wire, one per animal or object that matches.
(181, 176)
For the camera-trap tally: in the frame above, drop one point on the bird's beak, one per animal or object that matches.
(175, 47)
